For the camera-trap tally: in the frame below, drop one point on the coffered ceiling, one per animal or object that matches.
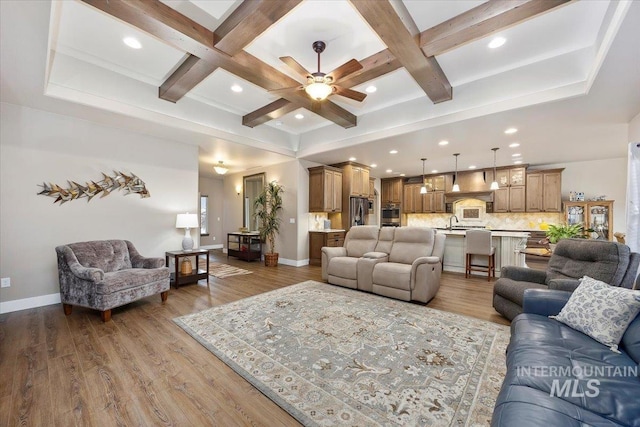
(429, 61)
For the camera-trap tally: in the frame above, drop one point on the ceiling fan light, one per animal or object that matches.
(318, 91)
(494, 185)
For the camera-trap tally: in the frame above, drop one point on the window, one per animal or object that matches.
(204, 215)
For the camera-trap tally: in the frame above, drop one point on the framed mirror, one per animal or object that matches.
(252, 186)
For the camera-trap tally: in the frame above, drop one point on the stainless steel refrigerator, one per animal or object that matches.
(358, 211)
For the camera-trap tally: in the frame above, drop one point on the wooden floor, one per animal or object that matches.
(140, 369)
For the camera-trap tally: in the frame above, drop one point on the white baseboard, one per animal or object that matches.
(211, 247)
(26, 303)
(293, 262)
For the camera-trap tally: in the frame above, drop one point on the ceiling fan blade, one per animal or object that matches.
(349, 93)
(286, 90)
(295, 66)
(345, 69)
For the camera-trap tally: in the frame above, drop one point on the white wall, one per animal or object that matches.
(214, 188)
(634, 129)
(596, 178)
(37, 146)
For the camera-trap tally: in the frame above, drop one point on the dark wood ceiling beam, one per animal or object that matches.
(248, 21)
(373, 67)
(382, 18)
(187, 76)
(163, 22)
(272, 111)
(481, 21)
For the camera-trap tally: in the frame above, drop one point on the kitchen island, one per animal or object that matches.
(508, 245)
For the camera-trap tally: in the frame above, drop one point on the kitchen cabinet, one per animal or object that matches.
(594, 215)
(391, 191)
(355, 180)
(319, 239)
(412, 199)
(511, 195)
(544, 191)
(438, 202)
(325, 189)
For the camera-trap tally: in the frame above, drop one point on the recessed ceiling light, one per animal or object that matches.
(434, 171)
(443, 142)
(389, 171)
(352, 159)
(393, 152)
(472, 167)
(514, 144)
(132, 42)
(371, 89)
(511, 131)
(236, 88)
(497, 42)
(373, 165)
(278, 123)
(517, 162)
(299, 116)
(402, 174)
(516, 155)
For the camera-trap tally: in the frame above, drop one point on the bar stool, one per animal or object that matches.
(479, 244)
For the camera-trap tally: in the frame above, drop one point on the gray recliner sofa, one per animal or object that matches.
(106, 274)
(610, 262)
(402, 263)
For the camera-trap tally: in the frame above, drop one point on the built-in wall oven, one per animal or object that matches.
(390, 215)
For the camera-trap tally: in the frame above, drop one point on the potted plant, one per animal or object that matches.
(563, 231)
(268, 206)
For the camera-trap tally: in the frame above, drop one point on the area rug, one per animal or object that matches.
(333, 356)
(221, 271)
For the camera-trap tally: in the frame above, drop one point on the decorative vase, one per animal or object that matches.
(271, 260)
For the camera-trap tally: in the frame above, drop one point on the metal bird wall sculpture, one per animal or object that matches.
(130, 184)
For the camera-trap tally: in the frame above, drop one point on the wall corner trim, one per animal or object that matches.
(26, 303)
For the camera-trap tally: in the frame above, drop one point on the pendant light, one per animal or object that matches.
(494, 184)
(456, 187)
(423, 189)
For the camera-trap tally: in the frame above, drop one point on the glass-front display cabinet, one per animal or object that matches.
(596, 216)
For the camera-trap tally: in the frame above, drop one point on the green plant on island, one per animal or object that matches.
(268, 206)
(564, 231)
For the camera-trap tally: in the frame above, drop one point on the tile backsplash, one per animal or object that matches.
(497, 221)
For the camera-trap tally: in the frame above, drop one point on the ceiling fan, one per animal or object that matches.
(320, 85)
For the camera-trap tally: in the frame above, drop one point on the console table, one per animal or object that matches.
(178, 278)
(246, 246)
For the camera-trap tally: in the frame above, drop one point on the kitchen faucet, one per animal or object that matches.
(450, 222)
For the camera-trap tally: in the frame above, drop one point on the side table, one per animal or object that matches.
(178, 278)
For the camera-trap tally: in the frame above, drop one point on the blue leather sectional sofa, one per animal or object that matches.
(557, 376)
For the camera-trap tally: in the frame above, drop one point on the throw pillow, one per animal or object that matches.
(601, 311)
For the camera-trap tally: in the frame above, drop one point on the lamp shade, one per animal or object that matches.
(318, 91)
(187, 220)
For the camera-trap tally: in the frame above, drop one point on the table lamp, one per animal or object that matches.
(187, 221)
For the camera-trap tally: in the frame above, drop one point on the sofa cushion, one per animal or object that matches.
(410, 243)
(116, 281)
(361, 239)
(385, 239)
(601, 311)
(107, 255)
(393, 275)
(602, 260)
(345, 267)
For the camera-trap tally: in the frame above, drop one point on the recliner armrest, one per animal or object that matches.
(328, 253)
(568, 285)
(522, 274)
(544, 302)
